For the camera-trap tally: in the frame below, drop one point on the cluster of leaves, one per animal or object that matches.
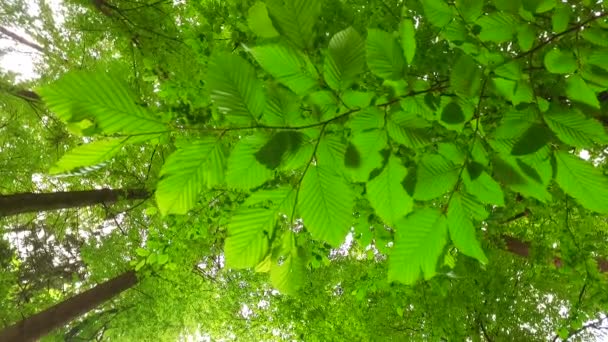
(324, 135)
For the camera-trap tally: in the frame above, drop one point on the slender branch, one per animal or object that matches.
(21, 40)
(312, 157)
(557, 35)
(467, 156)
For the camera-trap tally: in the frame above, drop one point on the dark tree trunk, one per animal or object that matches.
(35, 202)
(42, 323)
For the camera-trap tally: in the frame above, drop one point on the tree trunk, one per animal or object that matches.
(35, 202)
(42, 323)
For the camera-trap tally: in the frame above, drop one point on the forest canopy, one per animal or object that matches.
(304, 170)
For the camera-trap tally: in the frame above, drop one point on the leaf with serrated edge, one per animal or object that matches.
(419, 241)
(574, 128)
(235, 89)
(244, 170)
(326, 204)
(462, 231)
(435, 176)
(386, 194)
(89, 154)
(345, 59)
(186, 172)
(582, 181)
(97, 96)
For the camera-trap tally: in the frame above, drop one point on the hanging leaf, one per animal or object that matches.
(259, 21)
(345, 59)
(596, 36)
(386, 194)
(509, 172)
(582, 181)
(462, 231)
(288, 268)
(106, 101)
(186, 173)
(465, 77)
(437, 12)
(535, 138)
(244, 170)
(384, 56)
(90, 154)
(470, 9)
(435, 176)
(561, 18)
(452, 114)
(235, 88)
(249, 233)
(326, 204)
(485, 188)
(408, 39)
(295, 19)
(279, 148)
(574, 128)
(367, 147)
(498, 27)
(419, 241)
(560, 62)
(288, 66)
(409, 130)
(578, 90)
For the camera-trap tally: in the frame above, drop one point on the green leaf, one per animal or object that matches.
(578, 90)
(462, 231)
(279, 148)
(473, 207)
(470, 9)
(561, 18)
(90, 154)
(419, 241)
(408, 39)
(437, 12)
(498, 27)
(248, 240)
(106, 101)
(520, 178)
(259, 21)
(465, 77)
(535, 138)
(386, 194)
(526, 35)
(581, 180)
(235, 89)
(186, 173)
(288, 268)
(384, 56)
(409, 130)
(288, 66)
(560, 62)
(452, 152)
(244, 170)
(452, 114)
(596, 36)
(345, 59)
(326, 204)
(435, 176)
(538, 6)
(485, 188)
(368, 119)
(365, 147)
(295, 19)
(574, 128)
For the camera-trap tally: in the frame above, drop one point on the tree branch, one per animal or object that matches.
(21, 40)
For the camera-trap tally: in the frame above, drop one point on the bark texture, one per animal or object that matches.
(36, 202)
(42, 323)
